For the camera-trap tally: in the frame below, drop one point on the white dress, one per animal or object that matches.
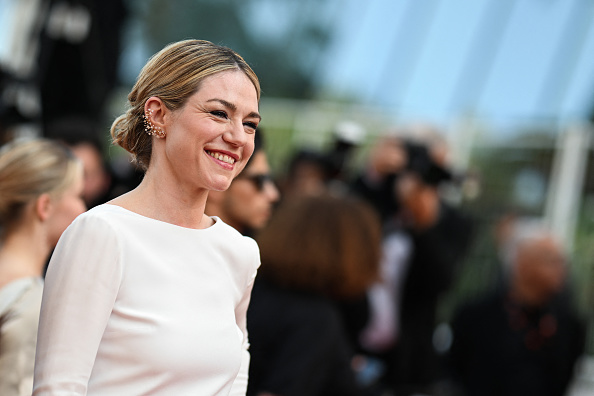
(136, 306)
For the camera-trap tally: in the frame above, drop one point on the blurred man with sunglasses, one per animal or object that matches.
(247, 204)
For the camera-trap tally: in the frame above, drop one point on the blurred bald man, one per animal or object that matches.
(524, 338)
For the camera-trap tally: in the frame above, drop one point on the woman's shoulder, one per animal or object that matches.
(22, 293)
(224, 227)
(113, 217)
(100, 213)
(232, 235)
(98, 223)
(241, 253)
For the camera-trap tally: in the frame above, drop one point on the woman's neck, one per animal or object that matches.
(153, 200)
(23, 254)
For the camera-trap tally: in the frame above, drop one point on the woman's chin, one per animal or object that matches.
(221, 186)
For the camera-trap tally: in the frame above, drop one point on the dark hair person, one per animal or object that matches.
(146, 294)
(317, 252)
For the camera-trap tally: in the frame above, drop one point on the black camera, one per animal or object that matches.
(423, 165)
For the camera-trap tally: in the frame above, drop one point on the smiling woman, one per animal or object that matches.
(146, 294)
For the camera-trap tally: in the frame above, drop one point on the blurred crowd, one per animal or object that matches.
(354, 267)
(521, 336)
(355, 261)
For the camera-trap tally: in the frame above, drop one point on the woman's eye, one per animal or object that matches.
(251, 125)
(219, 113)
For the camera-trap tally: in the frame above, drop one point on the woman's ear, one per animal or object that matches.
(155, 110)
(43, 207)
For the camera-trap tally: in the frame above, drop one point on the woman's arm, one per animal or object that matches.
(241, 381)
(239, 387)
(81, 285)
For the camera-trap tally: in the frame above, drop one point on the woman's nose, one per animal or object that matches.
(236, 134)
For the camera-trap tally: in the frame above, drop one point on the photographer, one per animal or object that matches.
(440, 236)
(425, 238)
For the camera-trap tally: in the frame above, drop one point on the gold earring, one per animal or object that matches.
(151, 128)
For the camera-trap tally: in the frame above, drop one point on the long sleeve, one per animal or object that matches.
(240, 384)
(80, 289)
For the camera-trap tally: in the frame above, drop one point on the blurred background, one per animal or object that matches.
(509, 85)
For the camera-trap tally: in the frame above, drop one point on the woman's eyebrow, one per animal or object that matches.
(232, 107)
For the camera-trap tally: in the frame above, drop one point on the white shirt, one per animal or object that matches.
(383, 329)
(136, 306)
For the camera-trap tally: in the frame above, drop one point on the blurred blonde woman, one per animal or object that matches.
(40, 194)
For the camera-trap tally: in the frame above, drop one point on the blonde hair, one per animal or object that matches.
(30, 168)
(173, 75)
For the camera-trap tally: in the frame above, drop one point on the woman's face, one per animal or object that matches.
(65, 208)
(211, 138)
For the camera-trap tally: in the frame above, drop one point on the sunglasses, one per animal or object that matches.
(258, 180)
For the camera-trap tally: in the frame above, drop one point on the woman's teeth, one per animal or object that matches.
(221, 157)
